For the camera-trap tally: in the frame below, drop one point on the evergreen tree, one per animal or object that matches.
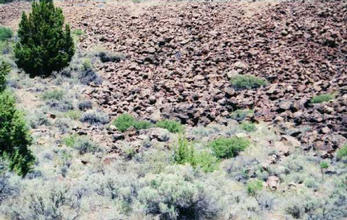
(44, 45)
(4, 70)
(14, 136)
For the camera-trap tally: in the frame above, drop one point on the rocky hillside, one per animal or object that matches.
(175, 61)
(185, 110)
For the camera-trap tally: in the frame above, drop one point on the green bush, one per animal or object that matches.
(254, 186)
(205, 161)
(170, 125)
(324, 165)
(81, 143)
(248, 126)
(247, 82)
(228, 147)
(44, 46)
(14, 136)
(78, 32)
(5, 33)
(174, 194)
(73, 114)
(53, 95)
(185, 153)
(342, 152)
(4, 70)
(124, 122)
(139, 125)
(322, 98)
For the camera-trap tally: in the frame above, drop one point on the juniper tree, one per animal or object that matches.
(44, 44)
(15, 138)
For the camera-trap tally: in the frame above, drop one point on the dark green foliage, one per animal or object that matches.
(247, 82)
(4, 70)
(324, 165)
(14, 136)
(5, 33)
(78, 32)
(322, 98)
(44, 46)
(124, 122)
(170, 125)
(342, 152)
(139, 125)
(228, 147)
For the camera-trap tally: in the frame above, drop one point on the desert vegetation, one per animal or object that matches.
(172, 110)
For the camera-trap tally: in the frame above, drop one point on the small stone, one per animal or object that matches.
(325, 130)
(152, 99)
(285, 105)
(273, 182)
(117, 137)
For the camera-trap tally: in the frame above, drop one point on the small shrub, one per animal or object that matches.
(248, 126)
(124, 122)
(95, 118)
(322, 98)
(342, 152)
(247, 82)
(70, 140)
(254, 186)
(85, 105)
(78, 32)
(5, 33)
(61, 106)
(170, 125)
(4, 71)
(14, 136)
(205, 161)
(294, 211)
(5, 47)
(108, 57)
(73, 114)
(140, 125)
(176, 195)
(63, 125)
(38, 119)
(82, 144)
(228, 147)
(241, 114)
(87, 75)
(323, 165)
(53, 95)
(44, 46)
(186, 154)
(310, 183)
